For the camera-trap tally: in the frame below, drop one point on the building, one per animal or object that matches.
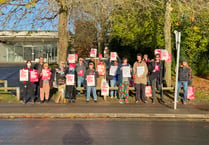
(20, 46)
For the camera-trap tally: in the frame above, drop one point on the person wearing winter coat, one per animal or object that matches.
(140, 78)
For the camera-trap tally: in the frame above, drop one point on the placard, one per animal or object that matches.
(148, 91)
(46, 74)
(105, 90)
(140, 70)
(190, 93)
(126, 71)
(34, 76)
(70, 79)
(71, 58)
(101, 69)
(164, 54)
(90, 80)
(169, 58)
(113, 70)
(23, 75)
(113, 56)
(93, 52)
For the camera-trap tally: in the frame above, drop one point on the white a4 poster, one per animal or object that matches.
(70, 79)
(140, 71)
(126, 71)
(90, 80)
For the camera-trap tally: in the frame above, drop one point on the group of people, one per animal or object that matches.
(91, 73)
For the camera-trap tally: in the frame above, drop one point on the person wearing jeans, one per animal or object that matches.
(91, 81)
(184, 77)
(113, 83)
(80, 70)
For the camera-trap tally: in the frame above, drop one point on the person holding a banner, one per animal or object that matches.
(183, 79)
(140, 78)
(45, 83)
(70, 90)
(123, 80)
(80, 71)
(157, 72)
(91, 81)
(27, 84)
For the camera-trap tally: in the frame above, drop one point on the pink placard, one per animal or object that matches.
(148, 91)
(23, 75)
(157, 51)
(164, 54)
(113, 56)
(190, 93)
(46, 74)
(34, 76)
(169, 58)
(93, 52)
(105, 90)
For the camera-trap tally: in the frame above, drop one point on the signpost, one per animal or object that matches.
(178, 42)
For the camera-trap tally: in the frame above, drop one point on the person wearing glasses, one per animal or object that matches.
(157, 72)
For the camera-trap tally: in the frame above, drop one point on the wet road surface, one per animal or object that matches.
(103, 132)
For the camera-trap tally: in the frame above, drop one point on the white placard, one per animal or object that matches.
(90, 80)
(71, 58)
(70, 79)
(105, 90)
(23, 75)
(140, 70)
(126, 71)
(93, 52)
(113, 70)
(113, 56)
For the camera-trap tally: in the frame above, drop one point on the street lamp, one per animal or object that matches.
(178, 42)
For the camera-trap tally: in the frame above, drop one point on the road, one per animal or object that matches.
(103, 132)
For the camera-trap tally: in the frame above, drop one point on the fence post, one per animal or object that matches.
(18, 93)
(5, 85)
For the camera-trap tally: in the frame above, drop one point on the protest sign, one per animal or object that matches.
(70, 79)
(101, 69)
(140, 70)
(126, 71)
(93, 52)
(34, 76)
(23, 75)
(113, 56)
(113, 70)
(90, 80)
(71, 58)
(46, 74)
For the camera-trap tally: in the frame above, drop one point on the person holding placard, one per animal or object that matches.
(101, 69)
(45, 83)
(80, 71)
(70, 91)
(157, 72)
(113, 76)
(27, 84)
(123, 80)
(91, 81)
(140, 78)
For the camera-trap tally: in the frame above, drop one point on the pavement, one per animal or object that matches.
(105, 110)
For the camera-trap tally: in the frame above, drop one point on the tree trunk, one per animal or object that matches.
(62, 32)
(167, 35)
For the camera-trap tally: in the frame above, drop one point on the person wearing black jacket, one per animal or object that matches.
(183, 79)
(28, 86)
(157, 72)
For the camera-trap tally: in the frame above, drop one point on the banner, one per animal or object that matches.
(101, 69)
(126, 71)
(24, 75)
(71, 58)
(190, 93)
(113, 70)
(90, 80)
(140, 70)
(70, 79)
(34, 76)
(148, 91)
(113, 56)
(105, 89)
(46, 74)
(93, 52)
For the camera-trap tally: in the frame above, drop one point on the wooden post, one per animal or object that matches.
(18, 93)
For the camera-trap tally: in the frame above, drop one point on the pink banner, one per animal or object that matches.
(190, 93)
(46, 74)
(23, 75)
(148, 91)
(34, 76)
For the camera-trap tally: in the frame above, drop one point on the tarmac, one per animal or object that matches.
(105, 110)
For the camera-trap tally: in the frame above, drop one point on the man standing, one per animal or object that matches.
(140, 78)
(157, 72)
(38, 66)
